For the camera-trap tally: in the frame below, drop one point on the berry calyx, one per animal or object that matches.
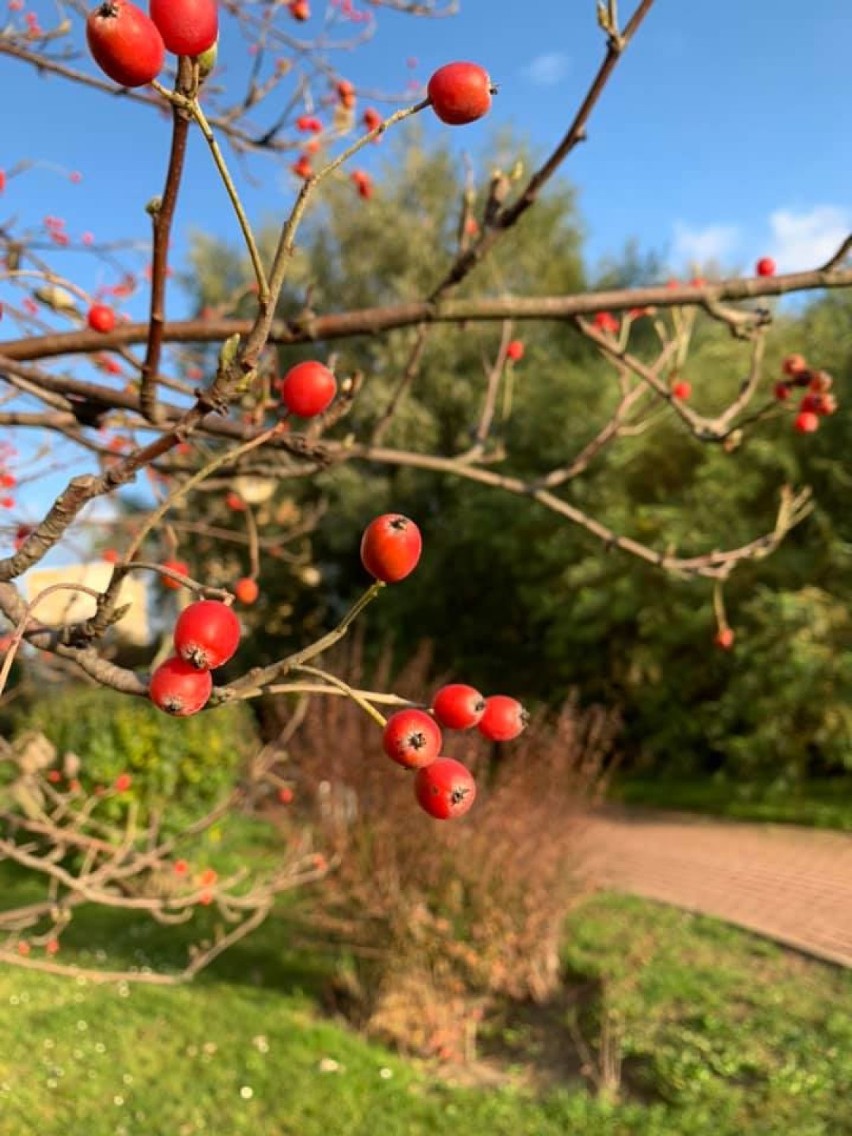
(765, 266)
(125, 43)
(504, 718)
(391, 547)
(460, 93)
(445, 789)
(458, 706)
(188, 27)
(207, 634)
(308, 389)
(246, 590)
(101, 318)
(179, 688)
(412, 738)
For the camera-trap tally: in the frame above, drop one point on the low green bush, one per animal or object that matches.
(176, 765)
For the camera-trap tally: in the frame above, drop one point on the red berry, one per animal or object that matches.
(302, 168)
(460, 93)
(363, 183)
(515, 351)
(782, 391)
(308, 389)
(178, 566)
(794, 365)
(372, 118)
(724, 639)
(806, 422)
(188, 27)
(285, 795)
(504, 718)
(681, 390)
(207, 633)
(458, 706)
(391, 547)
(765, 266)
(346, 94)
(246, 590)
(412, 738)
(824, 404)
(125, 43)
(101, 318)
(300, 10)
(820, 381)
(122, 782)
(606, 321)
(179, 688)
(445, 788)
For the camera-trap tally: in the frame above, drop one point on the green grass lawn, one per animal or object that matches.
(821, 804)
(723, 1033)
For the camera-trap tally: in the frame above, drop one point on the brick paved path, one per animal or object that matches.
(791, 884)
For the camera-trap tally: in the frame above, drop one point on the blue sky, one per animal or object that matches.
(721, 136)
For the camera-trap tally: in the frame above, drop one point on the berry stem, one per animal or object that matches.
(356, 697)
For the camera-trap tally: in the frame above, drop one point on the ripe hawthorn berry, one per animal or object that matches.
(782, 391)
(246, 590)
(794, 365)
(681, 390)
(806, 422)
(503, 719)
(207, 634)
(125, 43)
(412, 738)
(179, 688)
(458, 706)
(606, 321)
(390, 547)
(101, 318)
(460, 93)
(346, 94)
(765, 266)
(188, 27)
(178, 566)
(372, 119)
(308, 389)
(724, 638)
(445, 789)
(515, 350)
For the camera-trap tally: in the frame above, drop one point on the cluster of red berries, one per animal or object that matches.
(206, 636)
(130, 46)
(390, 550)
(816, 403)
(444, 787)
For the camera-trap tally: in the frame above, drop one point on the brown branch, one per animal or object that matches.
(371, 321)
(506, 217)
(162, 213)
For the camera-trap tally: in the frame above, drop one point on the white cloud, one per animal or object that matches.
(805, 240)
(548, 69)
(702, 246)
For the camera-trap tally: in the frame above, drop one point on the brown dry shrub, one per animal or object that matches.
(439, 917)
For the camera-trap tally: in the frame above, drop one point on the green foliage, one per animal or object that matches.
(180, 765)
